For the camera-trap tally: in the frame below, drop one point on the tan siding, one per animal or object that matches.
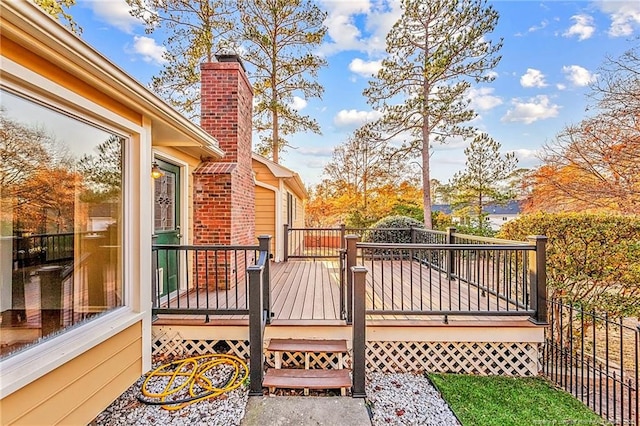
(46, 69)
(263, 174)
(77, 391)
(266, 214)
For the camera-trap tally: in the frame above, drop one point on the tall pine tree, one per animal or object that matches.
(435, 50)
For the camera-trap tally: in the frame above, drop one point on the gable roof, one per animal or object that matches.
(512, 207)
(281, 172)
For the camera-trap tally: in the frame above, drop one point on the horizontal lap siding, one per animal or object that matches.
(79, 390)
(266, 214)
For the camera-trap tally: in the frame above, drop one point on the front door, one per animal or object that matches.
(167, 225)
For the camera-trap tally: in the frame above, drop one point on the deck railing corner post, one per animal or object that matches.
(265, 247)
(451, 262)
(351, 241)
(256, 329)
(359, 331)
(285, 243)
(343, 231)
(538, 278)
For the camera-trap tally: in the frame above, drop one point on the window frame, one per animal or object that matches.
(34, 362)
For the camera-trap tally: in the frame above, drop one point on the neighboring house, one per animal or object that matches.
(280, 198)
(80, 211)
(496, 215)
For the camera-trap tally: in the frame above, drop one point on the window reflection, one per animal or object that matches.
(61, 223)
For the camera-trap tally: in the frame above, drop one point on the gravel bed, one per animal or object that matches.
(227, 409)
(406, 399)
(394, 399)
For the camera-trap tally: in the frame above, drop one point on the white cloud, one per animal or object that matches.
(483, 99)
(538, 108)
(374, 18)
(542, 25)
(116, 13)
(625, 16)
(527, 157)
(365, 68)
(532, 78)
(355, 118)
(298, 103)
(561, 86)
(578, 76)
(583, 27)
(149, 50)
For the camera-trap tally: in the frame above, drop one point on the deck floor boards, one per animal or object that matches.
(310, 290)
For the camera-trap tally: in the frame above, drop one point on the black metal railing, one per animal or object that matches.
(326, 243)
(595, 359)
(40, 249)
(207, 279)
(490, 279)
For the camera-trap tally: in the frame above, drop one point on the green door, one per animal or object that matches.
(167, 224)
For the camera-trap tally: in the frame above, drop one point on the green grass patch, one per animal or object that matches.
(518, 401)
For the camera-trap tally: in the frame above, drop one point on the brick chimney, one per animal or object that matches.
(224, 191)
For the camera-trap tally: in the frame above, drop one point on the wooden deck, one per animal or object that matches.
(308, 291)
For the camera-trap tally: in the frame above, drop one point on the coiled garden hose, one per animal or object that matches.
(188, 380)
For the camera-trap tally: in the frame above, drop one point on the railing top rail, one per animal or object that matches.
(218, 247)
(407, 246)
(316, 229)
(488, 239)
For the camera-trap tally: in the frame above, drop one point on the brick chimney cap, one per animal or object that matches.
(230, 57)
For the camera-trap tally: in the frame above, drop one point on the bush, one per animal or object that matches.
(592, 260)
(392, 229)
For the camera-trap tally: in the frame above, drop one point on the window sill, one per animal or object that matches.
(18, 371)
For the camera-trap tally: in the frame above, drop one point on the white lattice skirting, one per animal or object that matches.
(509, 359)
(175, 344)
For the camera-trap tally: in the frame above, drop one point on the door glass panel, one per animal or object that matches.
(165, 202)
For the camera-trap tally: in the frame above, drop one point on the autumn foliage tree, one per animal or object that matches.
(594, 165)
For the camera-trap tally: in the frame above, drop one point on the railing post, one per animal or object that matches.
(343, 230)
(265, 247)
(351, 241)
(285, 242)
(451, 261)
(412, 234)
(538, 278)
(359, 329)
(256, 327)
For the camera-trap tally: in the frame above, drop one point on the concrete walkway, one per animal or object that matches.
(305, 411)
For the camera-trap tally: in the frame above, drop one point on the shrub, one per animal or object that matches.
(592, 260)
(392, 229)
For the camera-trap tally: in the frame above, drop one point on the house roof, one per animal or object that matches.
(512, 207)
(281, 172)
(27, 25)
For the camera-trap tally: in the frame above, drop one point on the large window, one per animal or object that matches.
(61, 226)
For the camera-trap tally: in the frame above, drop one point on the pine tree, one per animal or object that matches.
(484, 180)
(279, 36)
(435, 50)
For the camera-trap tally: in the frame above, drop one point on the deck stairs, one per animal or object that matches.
(307, 378)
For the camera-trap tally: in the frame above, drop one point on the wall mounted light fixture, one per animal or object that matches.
(156, 173)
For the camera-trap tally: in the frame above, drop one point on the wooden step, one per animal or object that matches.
(305, 345)
(294, 378)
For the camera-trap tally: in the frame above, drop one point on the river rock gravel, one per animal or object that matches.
(406, 399)
(393, 399)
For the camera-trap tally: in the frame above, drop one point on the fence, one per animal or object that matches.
(595, 359)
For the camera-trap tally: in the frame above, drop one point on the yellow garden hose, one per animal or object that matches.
(187, 381)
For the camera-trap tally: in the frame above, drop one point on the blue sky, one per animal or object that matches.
(552, 51)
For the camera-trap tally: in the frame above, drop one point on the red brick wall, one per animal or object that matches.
(224, 199)
(224, 191)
